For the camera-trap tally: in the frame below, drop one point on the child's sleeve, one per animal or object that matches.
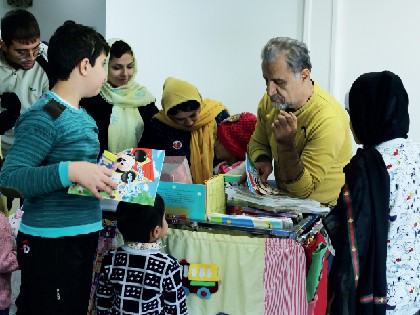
(8, 255)
(104, 289)
(173, 293)
(23, 169)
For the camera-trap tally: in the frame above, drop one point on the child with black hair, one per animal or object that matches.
(56, 144)
(137, 278)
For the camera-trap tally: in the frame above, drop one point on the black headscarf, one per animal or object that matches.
(378, 106)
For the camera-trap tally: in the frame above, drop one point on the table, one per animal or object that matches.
(259, 273)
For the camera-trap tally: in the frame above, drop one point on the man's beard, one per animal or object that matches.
(26, 61)
(280, 103)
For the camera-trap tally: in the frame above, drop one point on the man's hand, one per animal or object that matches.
(285, 128)
(92, 176)
(264, 169)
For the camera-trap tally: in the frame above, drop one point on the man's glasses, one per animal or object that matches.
(26, 53)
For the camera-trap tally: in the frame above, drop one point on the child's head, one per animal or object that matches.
(71, 44)
(141, 223)
(233, 135)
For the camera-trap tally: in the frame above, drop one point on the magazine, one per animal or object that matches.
(137, 174)
(242, 196)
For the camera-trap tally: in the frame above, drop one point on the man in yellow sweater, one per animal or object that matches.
(300, 126)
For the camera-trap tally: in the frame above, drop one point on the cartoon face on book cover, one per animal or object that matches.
(137, 173)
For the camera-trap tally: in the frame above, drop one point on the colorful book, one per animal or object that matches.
(257, 222)
(186, 201)
(254, 181)
(137, 174)
(194, 201)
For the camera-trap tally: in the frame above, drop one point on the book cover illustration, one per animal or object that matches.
(184, 201)
(194, 201)
(254, 182)
(137, 174)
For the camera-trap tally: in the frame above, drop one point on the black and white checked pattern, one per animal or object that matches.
(135, 281)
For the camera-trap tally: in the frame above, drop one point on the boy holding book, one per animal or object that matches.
(56, 143)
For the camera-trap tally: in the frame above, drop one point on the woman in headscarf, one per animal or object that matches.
(186, 126)
(375, 226)
(123, 108)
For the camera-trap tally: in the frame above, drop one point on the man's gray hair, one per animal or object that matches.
(296, 52)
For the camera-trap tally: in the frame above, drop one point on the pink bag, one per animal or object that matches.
(176, 169)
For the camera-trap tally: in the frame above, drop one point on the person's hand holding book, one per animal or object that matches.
(92, 176)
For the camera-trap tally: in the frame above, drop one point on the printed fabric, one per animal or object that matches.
(284, 277)
(109, 239)
(140, 282)
(401, 158)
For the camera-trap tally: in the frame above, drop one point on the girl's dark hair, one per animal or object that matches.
(19, 25)
(135, 221)
(187, 106)
(120, 48)
(70, 44)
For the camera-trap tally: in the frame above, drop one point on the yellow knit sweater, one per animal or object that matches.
(323, 141)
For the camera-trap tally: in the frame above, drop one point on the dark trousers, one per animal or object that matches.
(4, 312)
(56, 274)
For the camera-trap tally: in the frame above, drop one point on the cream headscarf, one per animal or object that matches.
(202, 132)
(126, 125)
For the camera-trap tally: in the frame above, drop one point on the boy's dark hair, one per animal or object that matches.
(19, 25)
(187, 106)
(119, 48)
(70, 44)
(135, 221)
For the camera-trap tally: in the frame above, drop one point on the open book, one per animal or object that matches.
(137, 175)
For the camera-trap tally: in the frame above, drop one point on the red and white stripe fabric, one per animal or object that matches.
(284, 278)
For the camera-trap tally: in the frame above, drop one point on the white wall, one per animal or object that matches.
(215, 44)
(52, 13)
(218, 50)
(318, 35)
(378, 35)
